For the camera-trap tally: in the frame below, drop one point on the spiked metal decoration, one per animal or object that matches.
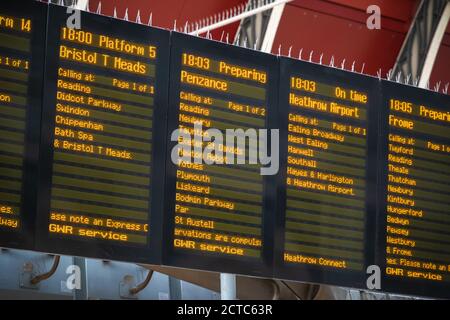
(255, 44)
(138, 17)
(150, 19)
(379, 74)
(398, 78)
(99, 9)
(332, 62)
(407, 79)
(389, 74)
(437, 86)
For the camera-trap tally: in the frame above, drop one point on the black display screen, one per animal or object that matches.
(103, 138)
(22, 35)
(414, 213)
(328, 174)
(218, 214)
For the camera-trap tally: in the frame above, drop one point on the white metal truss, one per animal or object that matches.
(259, 31)
(232, 15)
(434, 47)
(418, 54)
(272, 28)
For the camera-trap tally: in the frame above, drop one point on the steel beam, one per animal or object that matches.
(418, 53)
(272, 28)
(236, 14)
(433, 49)
(259, 30)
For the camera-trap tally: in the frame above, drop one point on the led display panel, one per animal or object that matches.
(22, 35)
(218, 210)
(104, 120)
(414, 202)
(326, 207)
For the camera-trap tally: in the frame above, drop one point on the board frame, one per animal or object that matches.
(197, 260)
(330, 76)
(94, 248)
(24, 238)
(416, 95)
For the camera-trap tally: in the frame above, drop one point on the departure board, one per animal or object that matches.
(103, 136)
(22, 32)
(328, 152)
(415, 193)
(217, 210)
